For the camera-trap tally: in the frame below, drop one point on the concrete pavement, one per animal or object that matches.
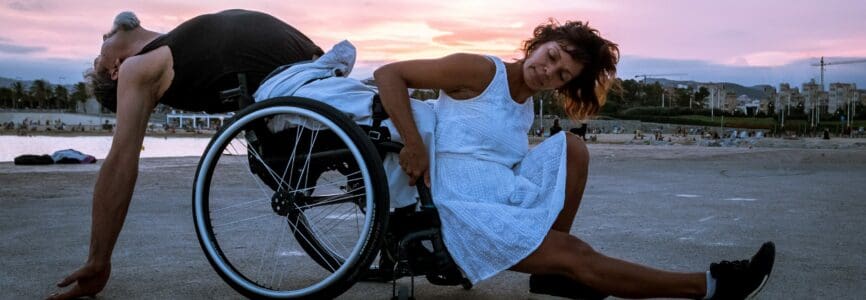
(676, 207)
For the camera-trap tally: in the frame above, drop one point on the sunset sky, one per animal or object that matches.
(746, 42)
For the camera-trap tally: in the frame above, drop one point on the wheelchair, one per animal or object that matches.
(290, 201)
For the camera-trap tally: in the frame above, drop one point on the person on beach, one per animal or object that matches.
(186, 68)
(555, 128)
(503, 206)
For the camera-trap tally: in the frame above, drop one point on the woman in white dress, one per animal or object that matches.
(505, 207)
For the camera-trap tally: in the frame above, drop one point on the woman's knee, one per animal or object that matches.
(559, 253)
(584, 258)
(578, 153)
(582, 250)
(574, 254)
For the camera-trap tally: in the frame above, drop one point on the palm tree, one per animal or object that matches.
(18, 93)
(40, 92)
(62, 96)
(79, 94)
(6, 97)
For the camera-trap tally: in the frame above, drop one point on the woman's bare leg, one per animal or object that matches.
(563, 254)
(577, 169)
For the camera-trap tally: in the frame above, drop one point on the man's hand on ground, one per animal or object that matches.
(89, 280)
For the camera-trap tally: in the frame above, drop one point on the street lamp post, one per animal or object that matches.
(691, 97)
(818, 110)
(782, 115)
(17, 79)
(851, 112)
(712, 108)
(541, 116)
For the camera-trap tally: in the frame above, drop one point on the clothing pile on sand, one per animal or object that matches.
(68, 156)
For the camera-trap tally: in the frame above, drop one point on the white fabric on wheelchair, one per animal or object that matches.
(318, 80)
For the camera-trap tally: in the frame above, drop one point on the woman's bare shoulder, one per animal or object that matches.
(470, 73)
(479, 73)
(473, 64)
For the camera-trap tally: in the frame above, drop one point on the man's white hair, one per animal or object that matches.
(126, 21)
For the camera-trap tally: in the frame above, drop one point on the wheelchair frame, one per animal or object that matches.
(411, 243)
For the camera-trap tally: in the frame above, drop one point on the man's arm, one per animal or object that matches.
(116, 181)
(138, 86)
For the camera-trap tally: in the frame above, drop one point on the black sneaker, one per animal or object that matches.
(743, 279)
(562, 286)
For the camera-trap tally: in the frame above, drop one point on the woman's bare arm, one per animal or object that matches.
(451, 73)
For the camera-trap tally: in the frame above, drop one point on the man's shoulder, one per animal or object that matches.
(148, 67)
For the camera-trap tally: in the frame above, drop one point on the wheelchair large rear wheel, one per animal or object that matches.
(290, 201)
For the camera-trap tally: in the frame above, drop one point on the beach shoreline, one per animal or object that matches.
(610, 138)
(87, 133)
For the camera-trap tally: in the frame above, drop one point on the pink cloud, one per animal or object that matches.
(722, 32)
(470, 34)
(760, 33)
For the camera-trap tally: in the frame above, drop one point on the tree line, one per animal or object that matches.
(629, 94)
(629, 97)
(632, 93)
(43, 95)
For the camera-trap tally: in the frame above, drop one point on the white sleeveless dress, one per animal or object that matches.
(496, 198)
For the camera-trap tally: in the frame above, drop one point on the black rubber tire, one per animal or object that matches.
(379, 187)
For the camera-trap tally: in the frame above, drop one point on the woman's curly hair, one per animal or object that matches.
(584, 95)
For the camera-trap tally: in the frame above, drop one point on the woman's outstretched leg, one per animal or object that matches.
(564, 254)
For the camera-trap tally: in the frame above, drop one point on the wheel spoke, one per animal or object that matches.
(318, 251)
(263, 212)
(244, 220)
(322, 201)
(250, 174)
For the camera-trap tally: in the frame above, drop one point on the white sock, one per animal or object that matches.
(711, 286)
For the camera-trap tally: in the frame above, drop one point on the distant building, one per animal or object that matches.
(862, 97)
(747, 105)
(717, 94)
(790, 98)
(764, 105)
(814, 96)
(196, 120)
(783, 98)
(752, 107)
(769, 97)
(730, 102)
(90, 107)
(668, 93)
(840, 95)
